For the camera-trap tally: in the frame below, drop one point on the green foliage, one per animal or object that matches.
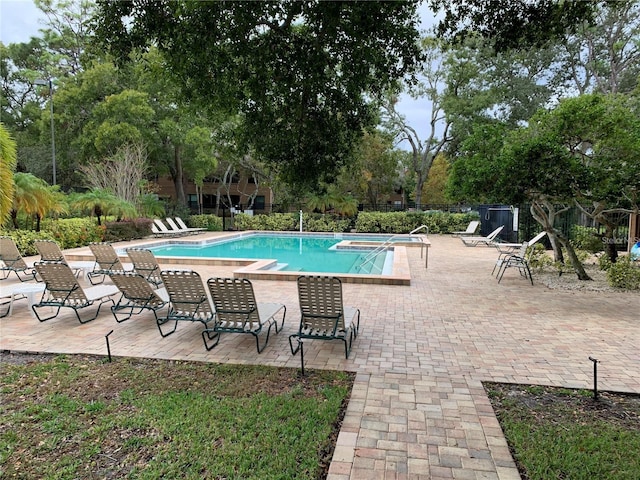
(404, 222)
(586, 238)
(521, 25)
(316, 222)
(279, 222)
(556, 434)
(7, 167)
(624, 274)
(127, 230)
(212, 223)
(185, 420)
(539, 260)
(604, 262)
(24, 240)
(67, 232)
(307, 71)
(568, 266)
(73, 232)
(149, 205)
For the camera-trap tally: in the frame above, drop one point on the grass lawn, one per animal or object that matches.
(81, 417)
(557, 433)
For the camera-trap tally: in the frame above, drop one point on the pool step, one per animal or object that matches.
(376, 266)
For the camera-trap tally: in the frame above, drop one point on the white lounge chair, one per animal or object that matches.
(471, 229)
(518, 260)
(184, 226)
(488, 240)
(181, 230)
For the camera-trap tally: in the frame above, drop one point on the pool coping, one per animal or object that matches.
(257, 269)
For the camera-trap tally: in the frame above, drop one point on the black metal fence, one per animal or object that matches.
(519, 224)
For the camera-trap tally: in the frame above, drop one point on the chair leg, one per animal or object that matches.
(284, 314)
(162, 321)
(40, 319)
(295, 350)
(266, 340)
(210, 334)
(90, 276)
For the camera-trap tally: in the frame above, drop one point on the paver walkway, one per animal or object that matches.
(418, 408)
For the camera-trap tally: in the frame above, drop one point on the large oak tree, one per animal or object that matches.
(301, 72)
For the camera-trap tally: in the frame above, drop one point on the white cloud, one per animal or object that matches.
(19, 21)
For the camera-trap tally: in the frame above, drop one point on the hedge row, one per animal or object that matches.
(366, 222)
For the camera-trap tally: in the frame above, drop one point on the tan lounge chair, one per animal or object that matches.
(145, 263)
(50, 252)
(107, 261)
(12, 261)
(64, 291)
(137, 296)
(188, 299)
(323, 315)
(238, 312)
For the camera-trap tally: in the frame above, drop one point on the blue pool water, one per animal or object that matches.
(293, 253)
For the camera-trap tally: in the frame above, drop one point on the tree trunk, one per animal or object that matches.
(571, 253)
(611, 247)
(178, 179)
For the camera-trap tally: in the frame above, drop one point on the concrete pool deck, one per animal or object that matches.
(418, 409)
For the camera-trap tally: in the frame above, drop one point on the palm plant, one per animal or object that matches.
(7, 167)
(34, 196)
(100, 202)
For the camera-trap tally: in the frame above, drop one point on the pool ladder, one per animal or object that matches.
(373, 254)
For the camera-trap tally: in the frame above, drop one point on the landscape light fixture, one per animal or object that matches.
(49, 83)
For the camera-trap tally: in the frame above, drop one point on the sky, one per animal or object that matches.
(21, 19)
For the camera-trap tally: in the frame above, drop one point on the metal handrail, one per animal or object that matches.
(373, 255)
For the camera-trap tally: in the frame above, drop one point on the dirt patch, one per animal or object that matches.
(615, 408)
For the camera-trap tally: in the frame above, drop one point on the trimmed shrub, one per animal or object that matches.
(212, 223)
(127, 230)
(24, 240)
(318, 222)
(74, 232)
(405, 222)
(587, 238)
(277, 222)
(624, 274)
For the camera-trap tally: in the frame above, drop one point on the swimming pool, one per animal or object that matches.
(293, 253)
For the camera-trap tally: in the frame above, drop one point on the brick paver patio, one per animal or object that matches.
(418, 408)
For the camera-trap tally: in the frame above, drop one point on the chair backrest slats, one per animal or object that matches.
(106, 256)
(135, 288)
(62, 284)
(49, 251)
(234, 302)
(472, 227)
(321, 302)
(187, 293)
(495, 233)
(10, 255)
(173, 225)
(161, 225)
